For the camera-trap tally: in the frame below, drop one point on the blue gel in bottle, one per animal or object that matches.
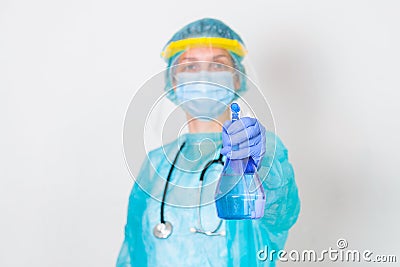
(239, 194)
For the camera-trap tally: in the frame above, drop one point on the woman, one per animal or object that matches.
(169, 233)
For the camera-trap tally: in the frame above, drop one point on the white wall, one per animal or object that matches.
(330, 70)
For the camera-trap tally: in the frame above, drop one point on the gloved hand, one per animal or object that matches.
(247, 136)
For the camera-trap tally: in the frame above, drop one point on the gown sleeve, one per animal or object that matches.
(132, 252)
(282, 200)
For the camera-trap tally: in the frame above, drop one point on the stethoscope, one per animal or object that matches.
(163, 229)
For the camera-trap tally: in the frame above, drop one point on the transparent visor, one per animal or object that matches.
(159, 120)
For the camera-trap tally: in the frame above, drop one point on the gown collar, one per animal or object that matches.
(193, 138)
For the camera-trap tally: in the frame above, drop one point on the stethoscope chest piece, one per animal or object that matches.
(162, 230)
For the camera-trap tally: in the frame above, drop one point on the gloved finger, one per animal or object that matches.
(240, 125)
(255, 152)
(225, 136)
(239, 154)
(246, 134)
(251, 142)
(225, 150)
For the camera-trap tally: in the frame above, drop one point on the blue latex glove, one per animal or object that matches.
(247, 136)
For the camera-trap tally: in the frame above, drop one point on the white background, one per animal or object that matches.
(68, 69)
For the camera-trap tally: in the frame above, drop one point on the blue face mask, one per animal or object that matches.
(205, 95)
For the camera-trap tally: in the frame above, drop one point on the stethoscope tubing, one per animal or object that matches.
(167, 182)
(203, 172)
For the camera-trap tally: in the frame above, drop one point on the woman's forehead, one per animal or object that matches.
(204, 54)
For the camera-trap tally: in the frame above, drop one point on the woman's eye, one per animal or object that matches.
(191, 67)
(218, 67)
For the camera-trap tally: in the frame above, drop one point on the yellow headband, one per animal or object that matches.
(228, 44)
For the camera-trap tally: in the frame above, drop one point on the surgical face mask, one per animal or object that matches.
(205, 95)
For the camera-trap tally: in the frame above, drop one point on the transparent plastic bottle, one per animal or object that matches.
(239, 194)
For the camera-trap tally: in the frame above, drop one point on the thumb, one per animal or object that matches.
(226, 125)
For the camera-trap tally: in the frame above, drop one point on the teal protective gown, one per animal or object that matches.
(244, 238)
